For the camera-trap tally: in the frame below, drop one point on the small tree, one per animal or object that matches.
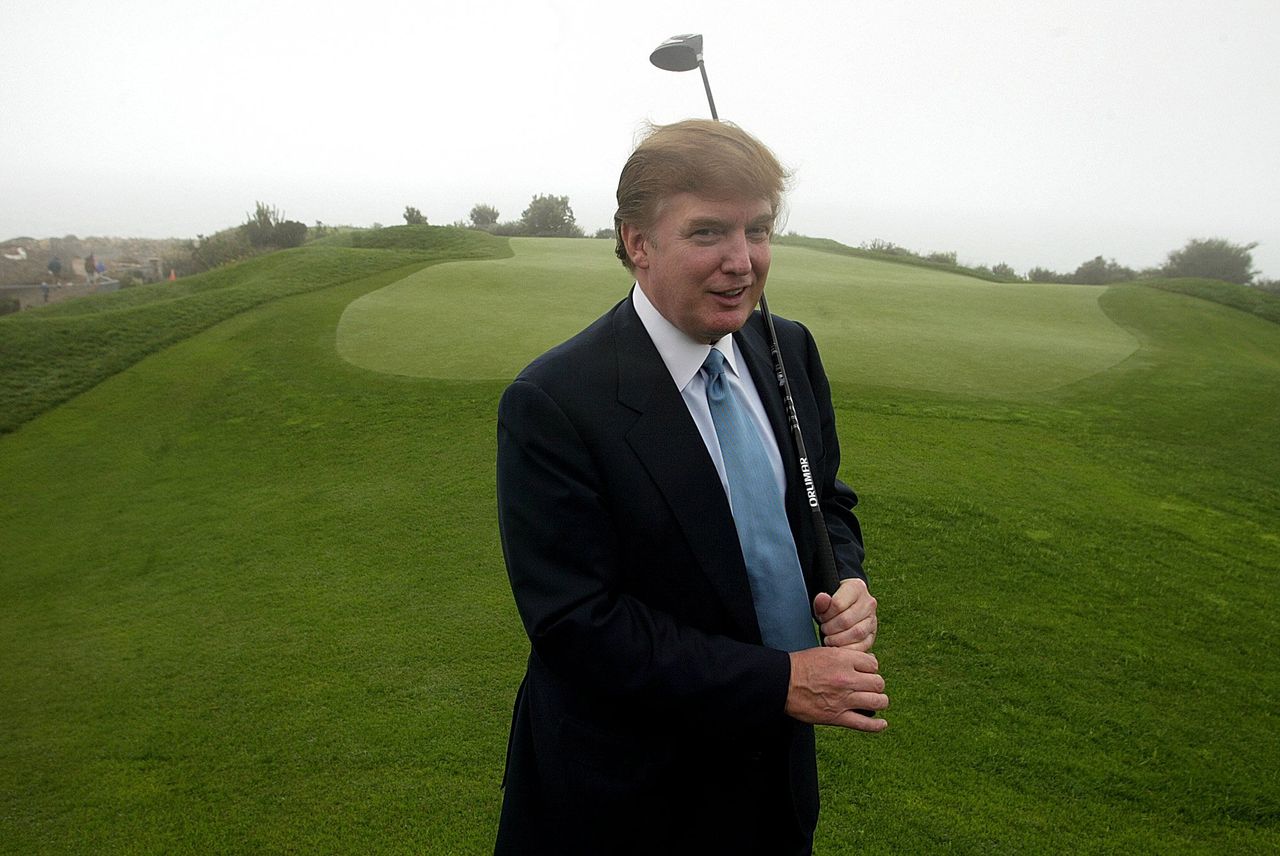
(267, 228)
(414, 217)
(483, 216)
(1100, 271)
(1005, 271)
(1213, 258)
(1039, 274)
(550, 217)
(260, 226)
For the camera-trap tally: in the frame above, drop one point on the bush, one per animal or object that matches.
(291, 233)
(550, 217)
(220, 248)
(1212, 258)
(509, 229)
(1100, 271)
(483, 216)
(266, 229)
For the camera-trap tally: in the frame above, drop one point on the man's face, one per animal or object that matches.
(704, 262)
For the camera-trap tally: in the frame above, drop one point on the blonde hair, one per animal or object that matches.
(717, 160)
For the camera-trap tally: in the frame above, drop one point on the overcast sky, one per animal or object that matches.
(1032, 133)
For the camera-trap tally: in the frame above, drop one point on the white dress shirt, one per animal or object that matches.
(683, 356)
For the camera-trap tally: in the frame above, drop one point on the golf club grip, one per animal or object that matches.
(825, 560)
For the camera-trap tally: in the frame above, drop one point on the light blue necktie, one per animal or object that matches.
(777, 583)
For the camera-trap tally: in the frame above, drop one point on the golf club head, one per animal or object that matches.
(678, 53)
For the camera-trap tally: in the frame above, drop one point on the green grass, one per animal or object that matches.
(252, 598)
(1252, 300)
(923, 329)
(483, 319)
(49, 354)
(827, 245)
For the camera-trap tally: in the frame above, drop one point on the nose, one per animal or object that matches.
(737, 255)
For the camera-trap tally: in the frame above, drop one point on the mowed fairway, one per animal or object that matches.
(252, 597)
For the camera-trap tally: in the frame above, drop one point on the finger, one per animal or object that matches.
(828, 606)
(858, 722)
(865, 644)
(863, 662)
(851, 617)
(859, 636)
(865, 691)
(849, 592)
(843, 613)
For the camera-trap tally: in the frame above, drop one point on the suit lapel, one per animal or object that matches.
(669, 446)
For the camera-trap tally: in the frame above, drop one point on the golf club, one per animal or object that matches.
(684, 53)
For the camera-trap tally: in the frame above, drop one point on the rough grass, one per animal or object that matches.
(252, 599)
(1252, 300)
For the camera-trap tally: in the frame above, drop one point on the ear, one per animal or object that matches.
(637, 247)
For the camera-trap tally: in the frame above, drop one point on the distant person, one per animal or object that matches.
(658, 542)
(90, 270)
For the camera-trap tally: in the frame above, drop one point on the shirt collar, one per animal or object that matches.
(681, 353)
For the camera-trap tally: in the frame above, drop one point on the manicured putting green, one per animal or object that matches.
(476, 319)
(964, 335)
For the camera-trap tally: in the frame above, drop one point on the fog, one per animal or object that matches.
(1019, 132)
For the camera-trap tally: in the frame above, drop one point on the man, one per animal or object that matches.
(671, 689)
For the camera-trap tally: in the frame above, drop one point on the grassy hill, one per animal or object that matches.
(252, 599)
(55, 352)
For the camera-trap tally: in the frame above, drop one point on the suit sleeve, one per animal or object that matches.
(563, 559)
(838, 499)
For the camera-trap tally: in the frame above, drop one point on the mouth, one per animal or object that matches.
(730, 294)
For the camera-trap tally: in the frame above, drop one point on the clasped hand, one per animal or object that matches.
(830, 684)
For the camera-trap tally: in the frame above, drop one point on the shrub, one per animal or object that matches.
(1212, 258)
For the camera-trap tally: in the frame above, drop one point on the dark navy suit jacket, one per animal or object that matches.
(651, 718)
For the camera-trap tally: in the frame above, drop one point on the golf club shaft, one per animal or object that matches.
(828, 578)
(706, 84)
